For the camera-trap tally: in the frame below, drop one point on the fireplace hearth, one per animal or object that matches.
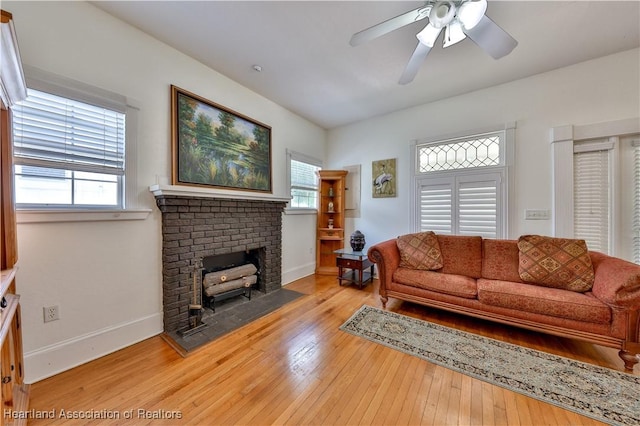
(197, 228)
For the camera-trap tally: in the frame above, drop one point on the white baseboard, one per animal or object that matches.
(53, 359)
(298, 272)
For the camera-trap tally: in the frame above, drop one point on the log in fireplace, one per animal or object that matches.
(194, 228)
(229, 275)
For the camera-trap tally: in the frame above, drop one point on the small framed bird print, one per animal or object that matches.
(384, 178)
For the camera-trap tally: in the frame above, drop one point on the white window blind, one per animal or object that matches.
(636, 204)
(462, 205)
(303, 182)
(59, 133)
(592, 198)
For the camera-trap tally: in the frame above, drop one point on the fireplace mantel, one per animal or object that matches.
(195, 191)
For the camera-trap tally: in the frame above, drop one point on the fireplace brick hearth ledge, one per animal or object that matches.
(199, 222)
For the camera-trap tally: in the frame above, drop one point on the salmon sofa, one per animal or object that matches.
(489, 279)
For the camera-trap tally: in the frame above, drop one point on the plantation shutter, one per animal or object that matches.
(591, 196)
(461, 205)
(636, 203)
(436, 207)
(56, 132)
(478, 208)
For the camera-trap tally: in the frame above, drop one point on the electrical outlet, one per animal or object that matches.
(51, 313)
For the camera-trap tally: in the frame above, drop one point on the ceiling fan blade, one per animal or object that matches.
(390, 25)
(418, 57)
(490, 37)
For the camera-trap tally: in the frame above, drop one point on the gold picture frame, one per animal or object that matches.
(213, 146)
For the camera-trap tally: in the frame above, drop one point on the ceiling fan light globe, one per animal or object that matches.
(453, 34)
(442, 13)
(428, 35)
(471, 12)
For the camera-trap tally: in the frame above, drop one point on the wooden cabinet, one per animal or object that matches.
(330, 228)
(352, 267)
(14, 394)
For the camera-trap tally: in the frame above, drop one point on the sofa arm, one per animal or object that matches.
(387, 257)
(617, 282)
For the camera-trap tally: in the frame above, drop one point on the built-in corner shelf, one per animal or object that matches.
(330, 227)
(159, 190)
(7, 312)
(15, 393)
(7, 276)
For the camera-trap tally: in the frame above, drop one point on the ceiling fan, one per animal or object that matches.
(458, 18)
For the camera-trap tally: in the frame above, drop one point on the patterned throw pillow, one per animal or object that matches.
(555, 262)
(420, 251)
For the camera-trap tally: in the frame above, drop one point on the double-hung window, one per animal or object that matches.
(461, 185)
(74, 149)
(606, 195)
(68, 153)
(597, 185)
(303, 181)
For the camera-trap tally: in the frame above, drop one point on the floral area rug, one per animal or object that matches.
(600, 393)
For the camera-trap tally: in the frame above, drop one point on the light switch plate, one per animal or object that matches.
(531, 214)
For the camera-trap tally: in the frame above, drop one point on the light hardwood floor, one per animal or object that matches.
(295, 367)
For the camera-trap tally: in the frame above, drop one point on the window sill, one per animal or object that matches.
(300, 211)
(52, 216)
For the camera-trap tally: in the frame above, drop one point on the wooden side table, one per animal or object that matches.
(352, 267)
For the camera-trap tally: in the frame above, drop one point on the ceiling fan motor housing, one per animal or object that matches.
(467, 12)
(442, 13)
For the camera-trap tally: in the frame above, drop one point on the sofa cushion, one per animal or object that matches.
(500, 260)
(420, 251)
(555, 262)
(461, 255)
(455, 285)
(543, 300)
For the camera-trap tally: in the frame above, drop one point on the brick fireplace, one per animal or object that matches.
(197, 224)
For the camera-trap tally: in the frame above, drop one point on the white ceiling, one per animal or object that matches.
(310, 68)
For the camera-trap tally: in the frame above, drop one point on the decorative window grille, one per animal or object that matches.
(470, 153)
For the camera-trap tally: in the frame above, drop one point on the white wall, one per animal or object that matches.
(605, 89)
(107, 276)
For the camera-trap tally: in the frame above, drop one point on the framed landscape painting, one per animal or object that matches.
(213, 146)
